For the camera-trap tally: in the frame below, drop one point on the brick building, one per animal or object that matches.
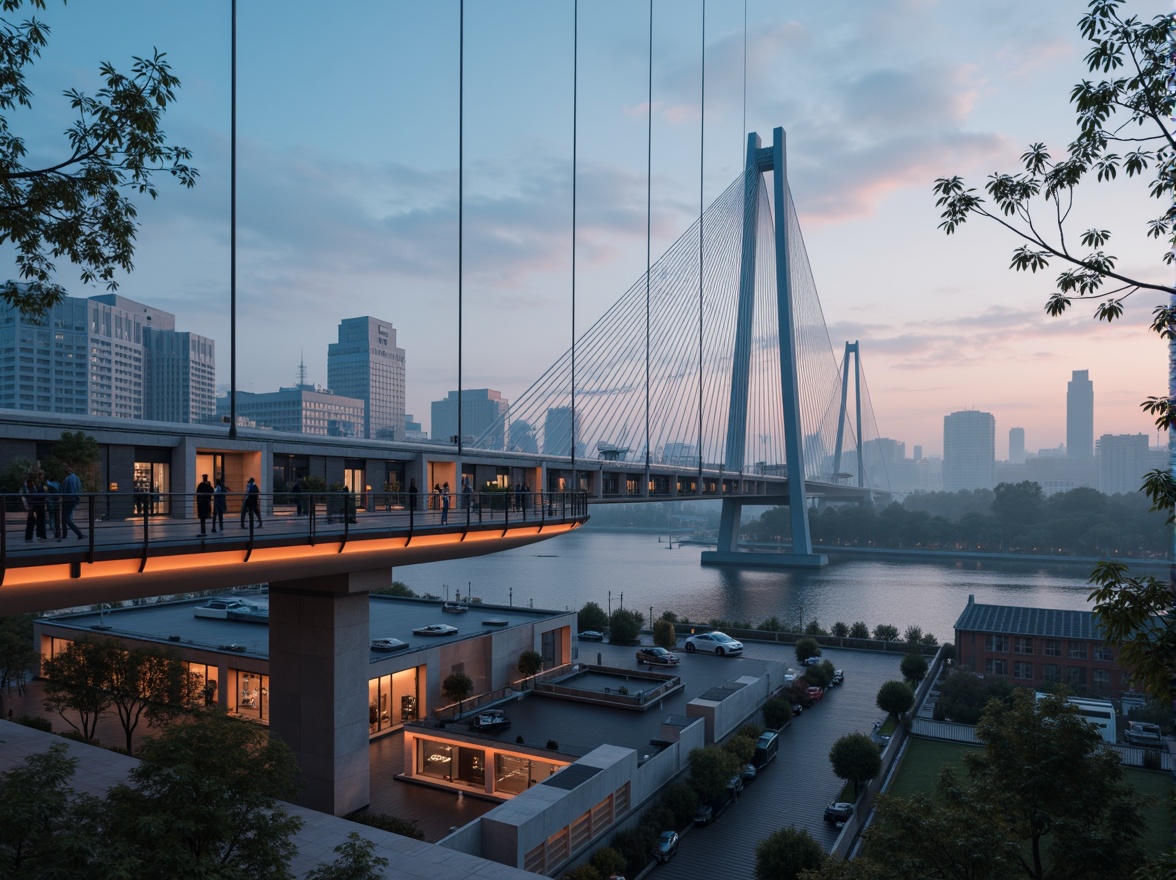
(1039, 646)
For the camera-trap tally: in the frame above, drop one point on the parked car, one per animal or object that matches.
(716, 643)
(656, 657)
(838, 812)
(666, 846)
(748, 773)
(1141, 733)
(797, 709)
(435, 629)
(812, 661)
(704, 815)
(490, 720)
(387, 646)
(815, 693)
(838, 678)
(591, 635)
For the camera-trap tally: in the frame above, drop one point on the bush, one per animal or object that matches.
(636, 846)
(772, 624)
(625, 627)
(584, 872)
(681, 800)
(664, 635)
(35, 721)
(607, 861)
(783, 854)
(592, 616)
(741, 747)
(807, 647)
(383, 821)
(777, 711)
(751, 731)
(530, 662)
(658, 819)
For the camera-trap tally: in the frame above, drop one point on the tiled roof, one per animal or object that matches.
(1015, 620)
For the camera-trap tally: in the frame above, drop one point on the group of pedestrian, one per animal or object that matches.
(47, 502)
(520, 495)
(213, 501)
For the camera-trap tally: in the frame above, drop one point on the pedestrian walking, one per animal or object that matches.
(71, 496)
(445, 504)
(436, 499)
(53, 507)
(296, 491)
(32, 498)
(204, 492)
(467, 493)
(252, 505)
(220, 503)
(413, 492)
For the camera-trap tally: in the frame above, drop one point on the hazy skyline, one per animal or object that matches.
(347, 183)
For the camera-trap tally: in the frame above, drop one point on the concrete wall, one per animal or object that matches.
(725, 716)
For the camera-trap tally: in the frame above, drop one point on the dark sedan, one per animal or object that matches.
(490, 720)
(656, 657)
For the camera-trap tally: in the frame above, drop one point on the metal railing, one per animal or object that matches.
(36, 529)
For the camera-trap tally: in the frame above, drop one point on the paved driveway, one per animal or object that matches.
(795, 788)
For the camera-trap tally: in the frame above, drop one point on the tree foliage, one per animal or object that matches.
(77, 682)
(457, 686)
(148, 682)
(356, 860)
(784, 853)
(710, 768)
(18, 658)
(624, 627)
(807, 647)
(592, 617)
(664, 634)
(914, 667)
(530, 663)
(77, 204)
(963, 695)
(855, 759)
(1124, 114)
(895, 698)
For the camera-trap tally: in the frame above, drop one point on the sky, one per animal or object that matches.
(347, 183)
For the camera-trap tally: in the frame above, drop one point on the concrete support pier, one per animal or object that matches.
(727, 551)
(319, 655)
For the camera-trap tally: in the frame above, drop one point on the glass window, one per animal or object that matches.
(250, 697)
(435, 759)
(1103, 652)
(393, 700)
(996, 643)
(1053, 647)
(1049, 672)
(1023, 669)
(207, 682)
(1100, 679)
(1023, 645)
(1076, 676)
(1077, 650)
(996, 667)
(471, 766)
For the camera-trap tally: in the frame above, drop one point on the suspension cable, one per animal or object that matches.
(701, 238)
(575, 119)
(648, 234)
(460, 200)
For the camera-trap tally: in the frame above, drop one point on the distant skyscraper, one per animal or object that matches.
(969, 451)
(558, 433)
(1122, 462)
(366, 364)
(1080, 416)
(1016, 445)
(483, 412)
(302, 409)
(105, 356)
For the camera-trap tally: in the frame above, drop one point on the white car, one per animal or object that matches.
(716, 643)
(435, 629)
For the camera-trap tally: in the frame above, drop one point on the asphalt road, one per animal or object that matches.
(795, 788)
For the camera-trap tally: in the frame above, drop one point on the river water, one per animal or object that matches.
(641, 572)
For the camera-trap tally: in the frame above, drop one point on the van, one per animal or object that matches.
(765, 748)
(1141, 733)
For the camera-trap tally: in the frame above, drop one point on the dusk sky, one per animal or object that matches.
(347, 183)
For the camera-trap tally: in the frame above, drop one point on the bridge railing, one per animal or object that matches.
(33, 525)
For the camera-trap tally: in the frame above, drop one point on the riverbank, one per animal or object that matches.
(1149, 566)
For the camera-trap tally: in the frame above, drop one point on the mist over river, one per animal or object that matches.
(586, 565)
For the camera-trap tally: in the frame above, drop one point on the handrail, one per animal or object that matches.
(148, 524)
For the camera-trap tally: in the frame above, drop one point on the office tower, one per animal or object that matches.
(483, 418)
(365, 364)
(918, 453)
(1080, 416)
(94, 356)
(522, 437)
(558, 433)
(179, 376)
(413, 429)
(969, 451)
(1122, 462)
(302, 409)
(1016, 445)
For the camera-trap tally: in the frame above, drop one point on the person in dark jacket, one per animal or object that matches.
(204, 503)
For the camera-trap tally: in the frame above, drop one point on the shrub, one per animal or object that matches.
(636, 846)
(777, 711)
(657, 819)
(807, 647)
(592, 616)
(741, 747)
(383, 821)
(607, 861)
(681, 800)
(584, 872)
(624, 627)
(35, 721)
(820, 675)
(530, 662)
(772, 624)
(664, 635)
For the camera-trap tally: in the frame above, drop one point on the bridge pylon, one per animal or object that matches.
(762, 159)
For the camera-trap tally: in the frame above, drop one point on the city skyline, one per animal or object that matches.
(349, 192)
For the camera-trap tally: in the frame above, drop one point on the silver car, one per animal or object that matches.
(716, 643)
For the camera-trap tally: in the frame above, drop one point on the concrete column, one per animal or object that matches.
(319, 657)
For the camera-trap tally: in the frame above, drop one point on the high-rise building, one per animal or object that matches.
(101, 356)
(1016, 445)
(483, 415)
(969, 451)
(559, 432)
(1080, 416)
(302, 409)
(1122, 462)
(365, 364)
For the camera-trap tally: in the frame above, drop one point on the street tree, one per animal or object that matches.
(855, 759)
(859, 630)
(34, 813)
(591, 617)
(1124, 116)
(886, 632)
(710, 768)
(76, 201)
(914, 668)
(79, 450)
(456, 687)
(624, 627)
(357, 860)
(784, 853)
(895, 698)
(148, 682)
(77, 682)
(807, 647)
(205, 800)
(530, 663)
(18, 658)
(1045, 770)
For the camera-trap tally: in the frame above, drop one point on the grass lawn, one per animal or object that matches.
(925, 757)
